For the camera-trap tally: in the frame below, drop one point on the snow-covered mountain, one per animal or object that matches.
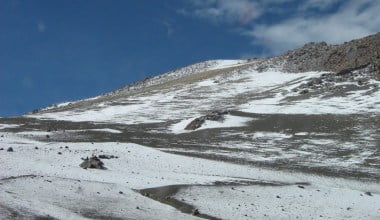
(295, 135)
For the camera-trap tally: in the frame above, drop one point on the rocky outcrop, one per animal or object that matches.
(360, 76)
(92, 163)
(335, 58)
(195, 124)
(213, 116)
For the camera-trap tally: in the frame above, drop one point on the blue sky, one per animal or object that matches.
(56, 51)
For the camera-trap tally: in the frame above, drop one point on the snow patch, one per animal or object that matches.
(220, 64)
(272, 135)
(60, 183)
(109, 130)
(301, 133)
(3, 126)
(282, 202)
(360, 101)
(228, 122)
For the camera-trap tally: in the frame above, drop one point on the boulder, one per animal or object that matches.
(213, 116)
(92, 163)
(196, 123)
(216, 115)
(195, 212)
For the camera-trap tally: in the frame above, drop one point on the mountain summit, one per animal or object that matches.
(296, 135)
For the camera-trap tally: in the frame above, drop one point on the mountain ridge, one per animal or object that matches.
(342, 58)
(335, 58)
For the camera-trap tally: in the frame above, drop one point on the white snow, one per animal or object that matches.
(272, 135)
(60, 185)
(220, 64)
(360, 101)
(109, 130)
(282, 202)
(65, 198)
(58, 105)
(63, 104)
(229, 122)
(116, 114)
(301, 133)
(317, 105)
(176, 103)
(62, 189)
(246, 90)
(206, 83)
(197, 68)
(3, 126)
(34, 133)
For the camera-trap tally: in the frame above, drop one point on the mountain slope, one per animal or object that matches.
(300, 127)
(355, 64)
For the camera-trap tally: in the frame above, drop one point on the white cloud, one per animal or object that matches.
(237, 11)
(354, 20)
(311, 20)
(318, 4)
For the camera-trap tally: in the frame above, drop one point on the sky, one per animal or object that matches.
(65, 50)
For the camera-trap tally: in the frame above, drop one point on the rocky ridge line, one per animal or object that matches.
(343, 58)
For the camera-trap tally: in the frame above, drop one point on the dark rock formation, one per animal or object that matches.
(92, 163)
(105, 156)
(328, 81)
(213, 116)
(196, 123)
(216, 115)
(195, 212)
(346, 57)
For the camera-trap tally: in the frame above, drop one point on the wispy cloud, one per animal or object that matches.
(354, 19)
(333, 21)
(169, 28)
(226, 11)
(41, 27)
(318, 4)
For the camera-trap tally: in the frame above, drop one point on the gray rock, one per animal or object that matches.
(335, 58)
(196, 123)
(104, 156)
(195, 212)
(213, 116)
(92, 163)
